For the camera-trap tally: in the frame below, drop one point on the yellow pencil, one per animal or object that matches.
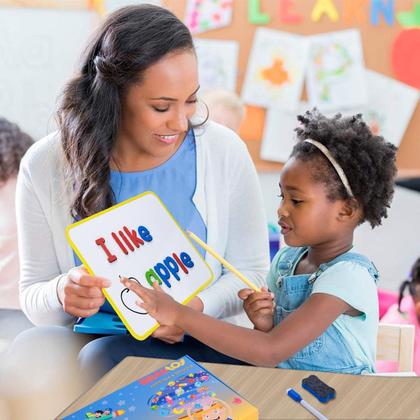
(223, 261)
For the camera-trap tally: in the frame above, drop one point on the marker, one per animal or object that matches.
(223, 261)
(295, 396)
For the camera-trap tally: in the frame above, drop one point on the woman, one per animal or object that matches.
(125, 126)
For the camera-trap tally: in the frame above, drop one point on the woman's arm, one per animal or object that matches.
(48, 297)
(39, 269)
(256, 347)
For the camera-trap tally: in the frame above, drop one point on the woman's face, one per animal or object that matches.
(155, 112)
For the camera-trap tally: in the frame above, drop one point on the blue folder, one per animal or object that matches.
(105, 322)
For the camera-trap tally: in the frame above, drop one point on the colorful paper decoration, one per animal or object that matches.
(384, 96)
(255, 16)
(324, 7)
(217, 63)
(279, 135)
(275, 71)
(336, 76)
(385, 7)
(202, 15)
(252, 125)
(410, 19)
(286, 13)
(406, 57)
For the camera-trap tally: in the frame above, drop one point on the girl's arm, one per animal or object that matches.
(252, 346)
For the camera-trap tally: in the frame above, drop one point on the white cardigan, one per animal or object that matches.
(227, 195)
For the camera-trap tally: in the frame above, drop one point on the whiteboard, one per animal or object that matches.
(139, 239)
(39, 51)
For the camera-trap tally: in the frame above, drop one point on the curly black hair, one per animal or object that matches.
(367, 160)
(13, 145)
(413, 284)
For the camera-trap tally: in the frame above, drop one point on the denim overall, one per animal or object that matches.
(329, 351)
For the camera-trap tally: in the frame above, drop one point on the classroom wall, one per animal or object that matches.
(39, 47)
(377, 45)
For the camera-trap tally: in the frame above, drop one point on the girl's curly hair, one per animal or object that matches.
(367, 160)
(13, 145)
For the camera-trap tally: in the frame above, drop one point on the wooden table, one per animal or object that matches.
(358, 397)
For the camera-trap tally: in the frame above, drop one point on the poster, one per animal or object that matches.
(275, 72)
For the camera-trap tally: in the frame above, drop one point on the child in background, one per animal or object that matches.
(13, 145)
(225, 108)
(322, 311)
(406, 311)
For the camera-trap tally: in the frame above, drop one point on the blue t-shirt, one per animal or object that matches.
(174, 182)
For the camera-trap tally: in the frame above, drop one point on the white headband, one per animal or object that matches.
(334, 163)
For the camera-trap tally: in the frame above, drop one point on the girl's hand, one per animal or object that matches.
(259, 306)
(174, 334)
(155, 301)
(80, 293)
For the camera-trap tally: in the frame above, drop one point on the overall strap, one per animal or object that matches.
(288, 259)
(352, 257)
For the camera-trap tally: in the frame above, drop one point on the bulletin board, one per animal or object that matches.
(377, 46)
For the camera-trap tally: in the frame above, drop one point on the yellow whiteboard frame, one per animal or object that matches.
(90, 271)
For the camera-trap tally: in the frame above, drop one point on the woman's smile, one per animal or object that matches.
(168, 139)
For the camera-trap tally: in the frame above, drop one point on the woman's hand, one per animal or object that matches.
(259, 306)
(156, 302)
(80, 293)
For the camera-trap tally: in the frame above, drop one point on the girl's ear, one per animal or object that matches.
(350, 210)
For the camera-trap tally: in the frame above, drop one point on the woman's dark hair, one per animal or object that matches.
(129, 41)
(368, 161)
(13, 145)
(413, 283)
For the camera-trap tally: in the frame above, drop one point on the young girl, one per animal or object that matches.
(406, 311)
(325, 307)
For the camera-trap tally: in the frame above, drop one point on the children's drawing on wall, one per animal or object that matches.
(385, 96)
(201, 16)
(278, 138)
(336, 77)
(139, 239)
(217, 63)
(275, 70)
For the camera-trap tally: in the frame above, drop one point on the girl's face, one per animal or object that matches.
(155, 112)
(306, 216)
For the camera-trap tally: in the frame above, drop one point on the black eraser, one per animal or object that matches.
(318, 388)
